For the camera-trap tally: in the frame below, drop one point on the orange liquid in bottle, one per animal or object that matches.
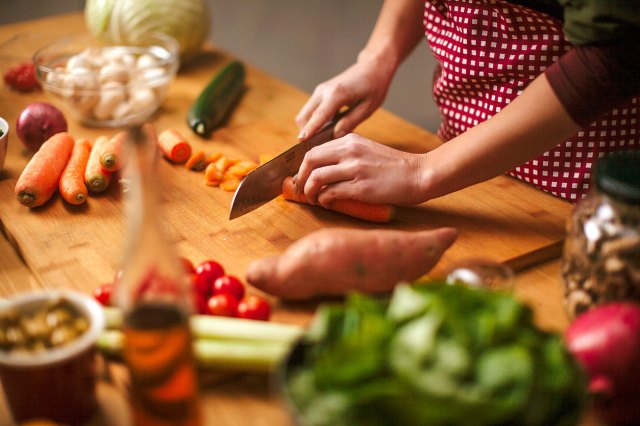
(159, 356)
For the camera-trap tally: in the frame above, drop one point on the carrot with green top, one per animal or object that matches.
(95, 177)
(174, 146)
(366, 211)
(39, 179)
(112, 155)
(71, 186)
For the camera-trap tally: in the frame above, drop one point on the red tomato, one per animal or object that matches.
(223, 305)
(102, 294)
(187, 264)
(205, 274)
(200, 304)
(228, 284)
(254, 307)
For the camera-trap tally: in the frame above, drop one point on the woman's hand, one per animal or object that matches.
(362, 87)
(357, 168)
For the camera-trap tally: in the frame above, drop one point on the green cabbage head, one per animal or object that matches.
(129, 21)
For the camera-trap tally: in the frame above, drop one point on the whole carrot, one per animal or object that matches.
(174, 146)
(366, 211)
(95, 177)
(112, 155)
(39, 179)
(71, 186)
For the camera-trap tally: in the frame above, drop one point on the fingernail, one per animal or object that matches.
(302, 135)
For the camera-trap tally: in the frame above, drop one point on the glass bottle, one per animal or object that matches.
(601, 259)
(156, 301)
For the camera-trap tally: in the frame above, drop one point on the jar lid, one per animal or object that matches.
(618, 175)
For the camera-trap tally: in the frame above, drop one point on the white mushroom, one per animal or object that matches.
(113, 72)
(112, 94)
(142, 99)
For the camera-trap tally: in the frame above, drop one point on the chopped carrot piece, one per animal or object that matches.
(213, 157)
(174, 146)
(196, 162)
(229, 185)
(242, 168)
(223, 163)
(212, 175)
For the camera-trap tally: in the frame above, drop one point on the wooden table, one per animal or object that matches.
(62, 246)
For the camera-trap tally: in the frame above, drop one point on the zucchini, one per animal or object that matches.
(217, 99)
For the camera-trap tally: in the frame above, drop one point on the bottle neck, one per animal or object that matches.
(151, 271)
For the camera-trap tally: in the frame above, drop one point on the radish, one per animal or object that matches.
(37, 123)
(606, 342)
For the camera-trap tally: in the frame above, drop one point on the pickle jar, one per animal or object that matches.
(601, 259)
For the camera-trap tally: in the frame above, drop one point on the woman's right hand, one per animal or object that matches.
(362, 87)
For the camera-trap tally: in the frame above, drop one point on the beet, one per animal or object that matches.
(37, 123)
(606, 342)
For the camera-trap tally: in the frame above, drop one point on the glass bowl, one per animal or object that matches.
(108, 86)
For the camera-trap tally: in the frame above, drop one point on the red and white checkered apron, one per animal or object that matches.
(488, 52)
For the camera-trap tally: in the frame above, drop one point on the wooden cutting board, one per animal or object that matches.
(81, 247)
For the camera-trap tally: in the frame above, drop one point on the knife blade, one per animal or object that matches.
(265, 183)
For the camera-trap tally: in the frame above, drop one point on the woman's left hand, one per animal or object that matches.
(356, 168)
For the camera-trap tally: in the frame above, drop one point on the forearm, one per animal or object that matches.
(396, 32)
(531, 124)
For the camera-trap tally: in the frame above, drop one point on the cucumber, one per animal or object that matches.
(217, 99)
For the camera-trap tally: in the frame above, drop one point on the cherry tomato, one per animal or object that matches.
(223, 304)
(200, 304)
(254, 307)
(228, 284)
(103, 293)
(206, 273)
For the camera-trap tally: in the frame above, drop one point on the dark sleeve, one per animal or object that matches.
(602, 69)
(593, 79)
(588, 22)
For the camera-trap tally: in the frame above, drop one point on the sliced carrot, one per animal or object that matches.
(223, 163)
(196, 162)
(366, 211)
(215, 156)
(212, 175)
(39, 179)
(242, 168)
(174, 146)
(71, 186)
(112, 155)
(95, 177)
(229, 185)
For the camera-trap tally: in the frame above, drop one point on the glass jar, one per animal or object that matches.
(601, 260)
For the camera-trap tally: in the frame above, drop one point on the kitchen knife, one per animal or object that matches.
(265, 183)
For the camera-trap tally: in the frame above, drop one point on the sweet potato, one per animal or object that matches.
(333, 261)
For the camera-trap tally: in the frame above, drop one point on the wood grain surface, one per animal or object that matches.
(80, 247)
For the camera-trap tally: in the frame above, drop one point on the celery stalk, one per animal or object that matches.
(220, 343)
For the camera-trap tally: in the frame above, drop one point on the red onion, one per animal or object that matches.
(37, 123)
(606, 342)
